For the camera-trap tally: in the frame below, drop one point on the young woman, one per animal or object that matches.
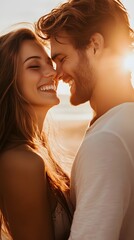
(33, 188)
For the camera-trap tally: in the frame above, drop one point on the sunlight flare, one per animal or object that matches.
(129, 62)
(128, 65)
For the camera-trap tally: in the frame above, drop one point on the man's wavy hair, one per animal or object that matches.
(80, 19)
(17, 126)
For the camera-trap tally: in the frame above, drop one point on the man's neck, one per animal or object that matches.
(110, 97)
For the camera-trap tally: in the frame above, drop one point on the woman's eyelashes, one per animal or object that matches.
(34, 66)
(39, 66)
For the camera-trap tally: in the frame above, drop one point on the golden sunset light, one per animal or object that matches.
(129, 65)
(129, 62)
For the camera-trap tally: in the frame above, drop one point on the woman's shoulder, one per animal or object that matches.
(22, 152)
(19, 159)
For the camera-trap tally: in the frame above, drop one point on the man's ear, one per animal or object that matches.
(97, 43)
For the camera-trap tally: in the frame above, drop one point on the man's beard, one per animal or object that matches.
(84, 83)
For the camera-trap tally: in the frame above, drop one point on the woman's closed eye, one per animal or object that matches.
(34, 66)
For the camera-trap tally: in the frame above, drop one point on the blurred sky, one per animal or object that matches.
(14, 11)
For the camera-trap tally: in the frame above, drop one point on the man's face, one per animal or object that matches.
(75, 68)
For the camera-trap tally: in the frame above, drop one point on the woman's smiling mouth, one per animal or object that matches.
(48, 88)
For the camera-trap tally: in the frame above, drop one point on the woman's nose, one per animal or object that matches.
(51, 73)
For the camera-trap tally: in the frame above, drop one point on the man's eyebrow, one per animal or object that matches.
(37, 57)
(54, 56)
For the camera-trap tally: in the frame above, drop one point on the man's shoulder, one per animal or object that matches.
(113, 133)
(121, 122)
(125, 109)
(116, 121)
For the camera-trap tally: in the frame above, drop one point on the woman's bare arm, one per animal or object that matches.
(25, 197)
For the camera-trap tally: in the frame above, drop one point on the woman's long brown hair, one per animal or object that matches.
(16, 124)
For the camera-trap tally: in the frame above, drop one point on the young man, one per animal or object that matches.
(89, 39)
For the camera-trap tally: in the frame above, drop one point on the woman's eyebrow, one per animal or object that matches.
(37, 57)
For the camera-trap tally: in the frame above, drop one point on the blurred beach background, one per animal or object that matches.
(69, 121)
(68, 124)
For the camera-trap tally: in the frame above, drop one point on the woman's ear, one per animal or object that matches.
(97, 43)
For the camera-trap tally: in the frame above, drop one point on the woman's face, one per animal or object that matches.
(35, 76)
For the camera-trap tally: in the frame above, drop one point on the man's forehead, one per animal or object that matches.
(59, 45)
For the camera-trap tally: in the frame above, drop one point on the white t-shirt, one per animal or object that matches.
(102, 179)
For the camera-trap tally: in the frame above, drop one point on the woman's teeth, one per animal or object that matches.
(48, 87)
